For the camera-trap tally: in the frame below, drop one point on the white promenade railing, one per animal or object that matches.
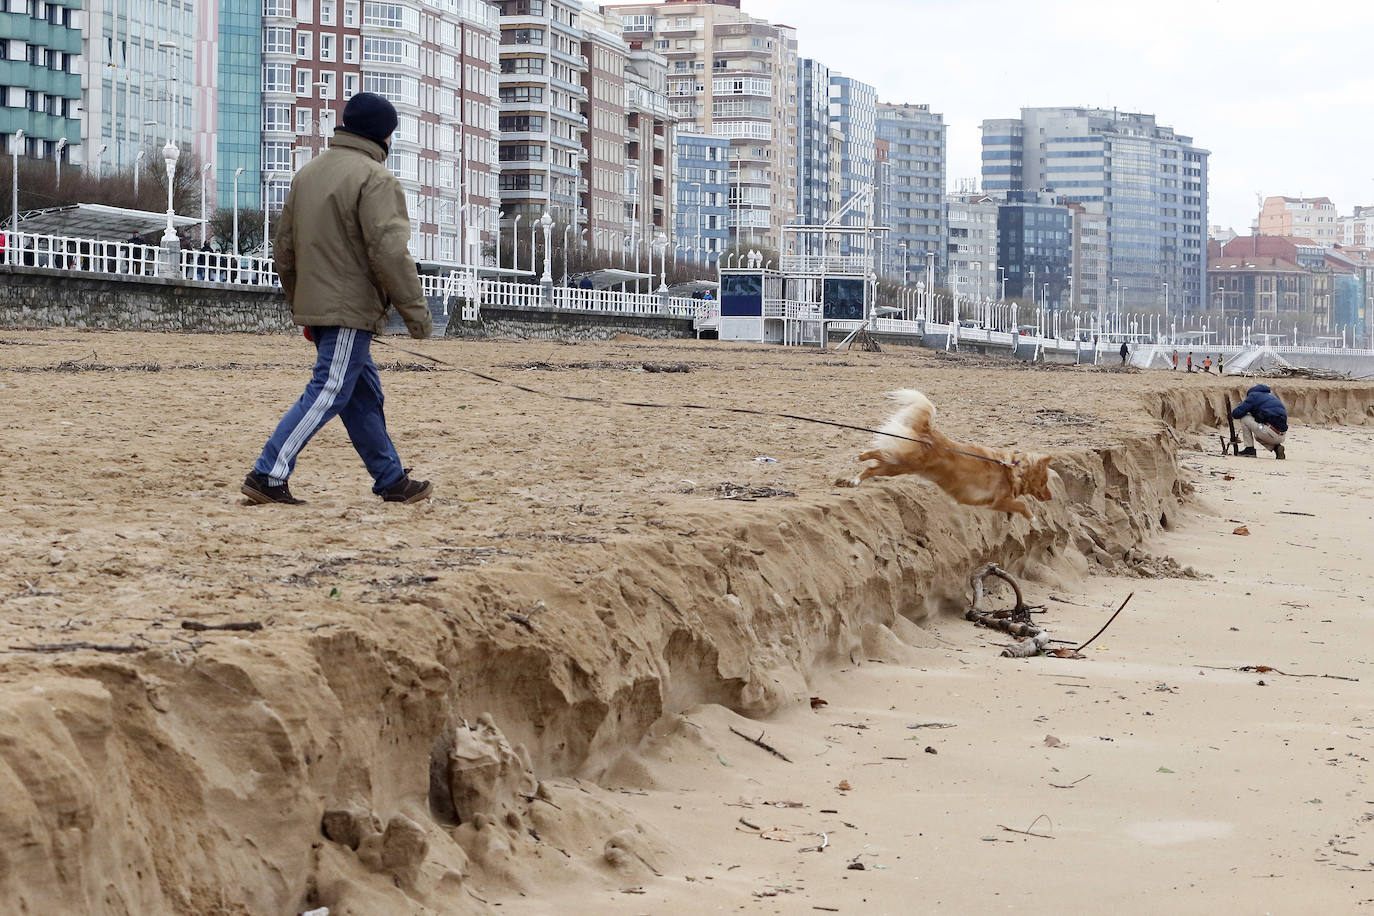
(131, 259)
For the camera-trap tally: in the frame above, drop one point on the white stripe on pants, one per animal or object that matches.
(338, 368)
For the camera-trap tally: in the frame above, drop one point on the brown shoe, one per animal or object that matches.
(260, 491)
(407, 490)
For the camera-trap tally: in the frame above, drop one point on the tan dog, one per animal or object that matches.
(971, 474)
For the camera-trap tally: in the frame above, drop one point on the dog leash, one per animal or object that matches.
(650, 404)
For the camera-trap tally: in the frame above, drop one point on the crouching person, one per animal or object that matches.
(1263, 419)
(342, 259)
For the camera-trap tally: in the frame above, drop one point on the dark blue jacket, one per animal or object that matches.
(1265, 407)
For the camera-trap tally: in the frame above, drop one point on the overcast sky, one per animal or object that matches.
(1282, 94)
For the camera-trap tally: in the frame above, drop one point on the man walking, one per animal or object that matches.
(1125, 353)
(341, 256)
(1263, 418)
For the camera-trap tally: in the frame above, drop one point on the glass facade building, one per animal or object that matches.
(138, 60)
(1035, 247)
(238, 140)
(702, 181)
(916, 160)
(815, 197)
(854, 110)
(40, 82)
(1148, 182)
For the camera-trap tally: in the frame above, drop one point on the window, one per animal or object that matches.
(276, 117)
(327, 12)
(276, 78)
(522, 94)
(521, 152)
(304, 79)
(350, 54)
(384, 50)
(303, 118)
(522, 37)
(521, 182)
(276, 40)
(305, 45)
(276, 156)
(327, 46)
(522, 124)
(304, 10)
(351, 13)
(382, 15)
(522, 65)
(350, 85)
(277, 8)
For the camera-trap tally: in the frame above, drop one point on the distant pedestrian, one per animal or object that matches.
(1125, 352)
(1207, 364)
(1175, 360)
(1221, 364)
(342, 259)
(1190, 360)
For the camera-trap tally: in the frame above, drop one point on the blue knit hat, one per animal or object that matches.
(369, 115)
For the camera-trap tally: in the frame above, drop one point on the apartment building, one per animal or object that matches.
(604, 148)
(915, 136)
(1312, 218)
(1034, 247)
(229, 97)
(703, 188)
(1147, 180)
(1357, 229)
(972, 248)
(139, 80)
(40, 78)
(854, 110)
(814, 197)
(650, 135)
(542, 96)
(733, 76)
(435, 62)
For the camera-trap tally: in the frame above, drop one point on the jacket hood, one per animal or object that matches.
(345, 138)
(1263, 389)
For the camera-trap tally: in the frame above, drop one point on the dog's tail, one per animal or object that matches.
(911, 420)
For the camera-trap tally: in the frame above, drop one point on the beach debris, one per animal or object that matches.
(855, 865)
(776, 834)
(723, 761)
(764, 459)
(1266, 669)
(933, 725)
(1108, 623)
(760, 743)
(750, 824)
(1242, 531)
(858, 726)
(1163, 770)
(321, 911)
(249, 626)
(825, 842)
(1015, 621)
(929, 750)
(785, 804)
(844, 786)
(1029, 831)
(1069, 785)
(74, 646)
(1052, 741)
(817, 703)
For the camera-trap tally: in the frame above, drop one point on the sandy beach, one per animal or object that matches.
(1160, 778)
(520, 696)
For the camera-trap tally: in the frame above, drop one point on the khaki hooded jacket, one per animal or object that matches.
(341, 243)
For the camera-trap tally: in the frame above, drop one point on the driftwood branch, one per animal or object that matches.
(759, 741)
(1016, 621)
(74, 646)
(1107, 624)
(1266, 669)
(251, 626)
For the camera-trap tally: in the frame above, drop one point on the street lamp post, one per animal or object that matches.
(566, 229)
(324, 97)
(546, 223)
(661, 243)
(514, 243)
(138, 167)
(170, 242)
(57, 160)
(204, 170)
(15, 146)
(237, 172)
